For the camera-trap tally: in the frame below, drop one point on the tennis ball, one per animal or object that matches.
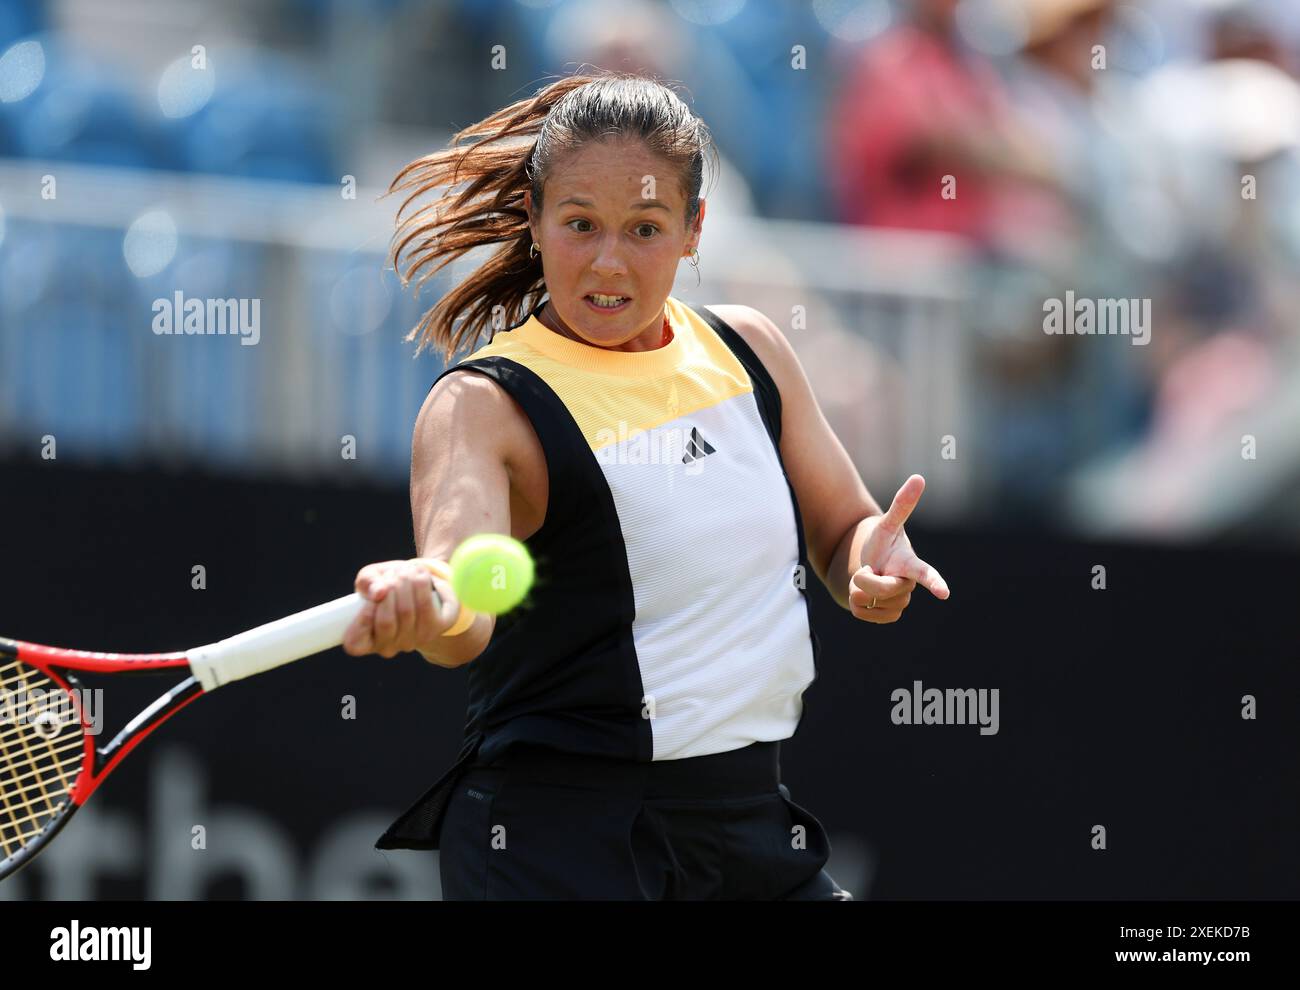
(491, 573)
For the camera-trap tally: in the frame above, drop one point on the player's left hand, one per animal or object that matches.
(882, 587)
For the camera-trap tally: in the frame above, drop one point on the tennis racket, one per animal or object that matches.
(50, 764)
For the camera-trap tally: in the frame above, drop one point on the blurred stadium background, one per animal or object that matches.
(239, 151)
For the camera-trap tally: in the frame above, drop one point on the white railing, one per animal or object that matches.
(877, 318)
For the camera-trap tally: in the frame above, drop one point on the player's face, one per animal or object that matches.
(612, 222)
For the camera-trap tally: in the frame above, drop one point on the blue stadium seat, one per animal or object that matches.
(266, 119)
(79, 113)
(20, 18)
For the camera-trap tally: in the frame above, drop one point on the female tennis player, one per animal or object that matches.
(668, 468)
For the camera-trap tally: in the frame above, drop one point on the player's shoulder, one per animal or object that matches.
(753, 325)
(762, 335)
(464, 389)
(472, 405)
(740, 318)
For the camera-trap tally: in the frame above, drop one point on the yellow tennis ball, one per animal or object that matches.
(491, 573)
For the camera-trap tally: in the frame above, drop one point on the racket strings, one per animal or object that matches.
(40, 753)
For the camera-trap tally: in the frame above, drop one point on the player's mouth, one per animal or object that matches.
(607, 304)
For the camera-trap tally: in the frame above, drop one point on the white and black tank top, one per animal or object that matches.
(668, 617)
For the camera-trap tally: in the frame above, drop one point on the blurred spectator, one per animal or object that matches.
(1245, 33)
(1230, 335)
(1057, 401)
(918, 106)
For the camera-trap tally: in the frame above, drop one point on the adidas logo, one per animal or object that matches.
(696, 447)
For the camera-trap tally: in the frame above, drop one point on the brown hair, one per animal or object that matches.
(500, 166)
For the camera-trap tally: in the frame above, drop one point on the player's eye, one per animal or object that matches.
(639, 227)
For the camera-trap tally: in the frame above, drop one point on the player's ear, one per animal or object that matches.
(693, 233)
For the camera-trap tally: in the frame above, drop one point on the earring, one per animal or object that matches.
(695, 263)
(534, 250)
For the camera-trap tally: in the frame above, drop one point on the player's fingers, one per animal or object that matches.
(878, 615)
(919, 572)
(899, 602)
(366, 579)
(374, 580)
(426, 609)
(904, 502)
(867, 600)
(385, 626)
(880, 585)
(354, 634)
(928, 578)
(447, 604)
(358, 639)
(404, 605)
(907, 587)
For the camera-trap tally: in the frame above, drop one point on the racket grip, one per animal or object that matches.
(274, 644)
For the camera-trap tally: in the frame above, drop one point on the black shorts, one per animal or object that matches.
(539, 824)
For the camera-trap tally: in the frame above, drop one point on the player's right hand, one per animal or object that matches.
(399, 614)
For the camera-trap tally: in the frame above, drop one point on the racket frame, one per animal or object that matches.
(263, 648)
(97, 762)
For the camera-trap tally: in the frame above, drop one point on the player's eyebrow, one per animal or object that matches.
(640, 204)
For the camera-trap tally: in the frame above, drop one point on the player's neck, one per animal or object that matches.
(551, 320)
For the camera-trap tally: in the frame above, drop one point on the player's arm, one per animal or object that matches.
(833, 499)
(460, 486)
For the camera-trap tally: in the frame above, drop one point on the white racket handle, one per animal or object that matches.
(274, 644)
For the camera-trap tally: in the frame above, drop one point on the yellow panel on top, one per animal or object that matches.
(614, 395)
